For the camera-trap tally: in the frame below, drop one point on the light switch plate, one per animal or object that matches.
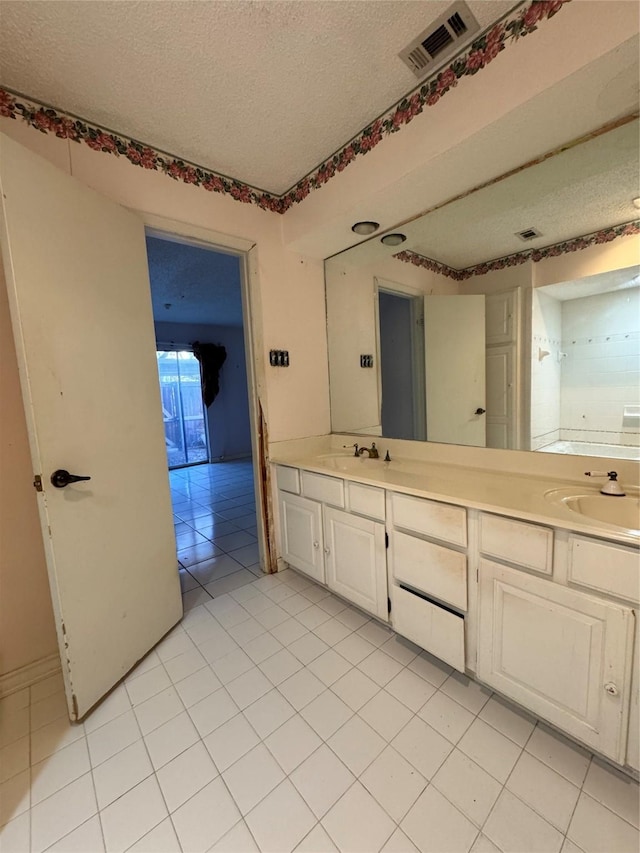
(279, 357)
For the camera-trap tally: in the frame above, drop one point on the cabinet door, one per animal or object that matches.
(301, 528)
(564, 655)
(500, 317)
(501, 396)
(356, 560)
(633, 747)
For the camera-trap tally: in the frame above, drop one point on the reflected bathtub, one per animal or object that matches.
(588, 448)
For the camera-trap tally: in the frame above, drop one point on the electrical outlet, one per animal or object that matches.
(366, 361)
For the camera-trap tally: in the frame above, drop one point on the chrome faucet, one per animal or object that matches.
(372, 452)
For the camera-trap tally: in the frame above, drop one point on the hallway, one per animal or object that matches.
(215, 522)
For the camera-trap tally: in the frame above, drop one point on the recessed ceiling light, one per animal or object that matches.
(636, 202)
(393, 239)
(365, 228)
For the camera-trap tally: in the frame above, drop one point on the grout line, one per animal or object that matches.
(297, 712)
(29, 753)
(95, 794)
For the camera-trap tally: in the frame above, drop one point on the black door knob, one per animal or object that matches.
(479, 411)
(62, 478)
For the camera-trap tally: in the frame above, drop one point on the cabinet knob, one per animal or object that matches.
(327, 551)
(611, 689)
(316, 545)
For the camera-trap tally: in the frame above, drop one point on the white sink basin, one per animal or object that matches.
(622, 512)
(357, 464)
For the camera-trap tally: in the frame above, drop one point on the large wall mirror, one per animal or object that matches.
(437, 340)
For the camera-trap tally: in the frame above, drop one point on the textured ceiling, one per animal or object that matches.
(592, 285)
(260, 91)
(198, 285)
(577, 192)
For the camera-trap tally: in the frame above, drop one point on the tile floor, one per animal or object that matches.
(215, 521)
(275, 717)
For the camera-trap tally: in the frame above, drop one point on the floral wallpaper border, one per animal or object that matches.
(606, 235)
(477, 56)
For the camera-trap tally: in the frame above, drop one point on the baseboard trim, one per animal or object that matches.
(30, 674)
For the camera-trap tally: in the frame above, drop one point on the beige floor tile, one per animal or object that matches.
(512, 825)
(596, 829)
(549, 794)
(369, 832)
(435, 825)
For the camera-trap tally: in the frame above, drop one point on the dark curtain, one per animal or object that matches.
(211, 358)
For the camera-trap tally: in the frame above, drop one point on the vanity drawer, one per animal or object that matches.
(288, 479)
(366, 500)
(440, 520)
(527, 545)
(431, 627)
(329, 490)
(607, 567)
(432, 569)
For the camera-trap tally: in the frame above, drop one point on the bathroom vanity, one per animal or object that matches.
(498, 575)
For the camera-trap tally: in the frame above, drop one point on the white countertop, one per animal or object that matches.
(516, 495)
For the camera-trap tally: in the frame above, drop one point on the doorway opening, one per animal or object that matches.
(402, 365)
(197, 298)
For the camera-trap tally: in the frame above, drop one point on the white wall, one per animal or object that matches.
(541, 328)
(228, 415)
(27, 631)
(546, 336)
(601, 373)
(351, 332)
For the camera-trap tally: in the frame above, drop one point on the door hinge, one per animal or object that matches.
(388, 605)
(37, 483)
(386, 539)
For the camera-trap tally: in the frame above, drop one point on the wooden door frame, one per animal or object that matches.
(247, 254)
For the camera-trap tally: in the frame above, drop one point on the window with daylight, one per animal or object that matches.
(185, 422)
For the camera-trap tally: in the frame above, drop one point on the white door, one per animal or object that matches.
(563, 654)
(80, 304)
(501, 396)
(301, 527)
(356, 560)
(502, 317)
(502, 325)
(454, 329)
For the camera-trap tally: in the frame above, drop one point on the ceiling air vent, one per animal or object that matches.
(528, 234)
(440, 40)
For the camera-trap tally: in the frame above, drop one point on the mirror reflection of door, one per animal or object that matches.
(503, 341)
(401, 339)
(454, 330)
